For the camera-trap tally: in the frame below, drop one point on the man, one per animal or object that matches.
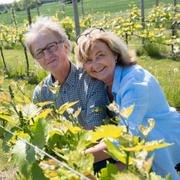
(50, 47)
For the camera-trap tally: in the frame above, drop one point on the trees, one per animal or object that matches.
(28, 5)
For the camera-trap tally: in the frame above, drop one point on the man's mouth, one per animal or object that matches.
(51, 61)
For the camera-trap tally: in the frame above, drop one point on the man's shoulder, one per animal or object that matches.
(44, 83)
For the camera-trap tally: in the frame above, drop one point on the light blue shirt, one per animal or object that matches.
(90, 93)
(134, 85)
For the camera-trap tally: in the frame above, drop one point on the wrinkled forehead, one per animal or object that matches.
(41, 40)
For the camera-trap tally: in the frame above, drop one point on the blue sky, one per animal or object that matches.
(6, 1)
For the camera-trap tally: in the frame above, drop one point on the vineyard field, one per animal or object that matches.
(90, 7)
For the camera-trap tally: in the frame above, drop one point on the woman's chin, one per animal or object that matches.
(100, 78)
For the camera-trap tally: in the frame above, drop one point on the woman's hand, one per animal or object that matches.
(98, 151)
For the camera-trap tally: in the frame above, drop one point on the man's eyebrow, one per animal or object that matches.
(41, 49)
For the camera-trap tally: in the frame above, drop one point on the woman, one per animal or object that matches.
(105, 57)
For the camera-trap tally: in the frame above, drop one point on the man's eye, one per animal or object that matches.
(39, 53)
(50, 47)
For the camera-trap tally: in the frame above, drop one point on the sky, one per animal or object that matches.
(6, 1)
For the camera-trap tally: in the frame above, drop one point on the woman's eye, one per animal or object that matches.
(88, 60)
(100, 55)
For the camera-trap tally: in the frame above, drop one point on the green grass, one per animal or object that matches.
(16, 64)
(90, 7)
(167, 71)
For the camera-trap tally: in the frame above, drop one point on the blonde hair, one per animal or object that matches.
(45, 25)
(125, 57)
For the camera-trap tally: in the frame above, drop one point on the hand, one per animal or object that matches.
(98, 151)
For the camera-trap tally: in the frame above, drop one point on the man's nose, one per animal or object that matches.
(46, 53)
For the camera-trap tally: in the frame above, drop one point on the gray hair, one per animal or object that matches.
(45, 25)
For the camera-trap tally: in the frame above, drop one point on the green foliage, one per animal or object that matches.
(68, 24)
(36, 130)
(156, 39)
(108, 172)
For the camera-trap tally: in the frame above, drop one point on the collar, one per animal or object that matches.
(71, 79)
(120, 74)
(117, 79)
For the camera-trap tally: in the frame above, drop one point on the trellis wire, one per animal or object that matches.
(45, 153)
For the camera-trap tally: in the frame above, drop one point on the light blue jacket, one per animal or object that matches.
(134, 85)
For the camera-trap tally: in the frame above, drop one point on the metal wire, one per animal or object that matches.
(45, 153)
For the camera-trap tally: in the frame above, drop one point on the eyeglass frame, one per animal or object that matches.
(46, 48)
(88, 33)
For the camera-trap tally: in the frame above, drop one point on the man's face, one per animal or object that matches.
(50, 53)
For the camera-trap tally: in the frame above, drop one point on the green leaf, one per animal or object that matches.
(155, 145)
(65, 106)
(76, 113)
(106, 131)
(55, 88)
(37, 173)
(79, 161)
(42, 104)
(39, 133)
(125, 176)
(106, 173)
(138, 147)
(126, 112)
(30, 157)
(74, 129)
(20, 134)
(7, 118)
(117, 153)
(43, 114)
(154, 176)
(56, 139)
(146, 130)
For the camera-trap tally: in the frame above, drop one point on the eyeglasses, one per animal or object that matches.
(50, 48)
(88, 34)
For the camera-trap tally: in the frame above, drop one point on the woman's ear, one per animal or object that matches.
(115, 57)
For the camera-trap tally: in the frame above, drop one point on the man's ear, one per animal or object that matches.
(66, 46)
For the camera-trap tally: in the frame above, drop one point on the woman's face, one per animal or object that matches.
(101, 62)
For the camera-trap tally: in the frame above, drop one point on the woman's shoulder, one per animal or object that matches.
(133, 77)
(137, 73)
